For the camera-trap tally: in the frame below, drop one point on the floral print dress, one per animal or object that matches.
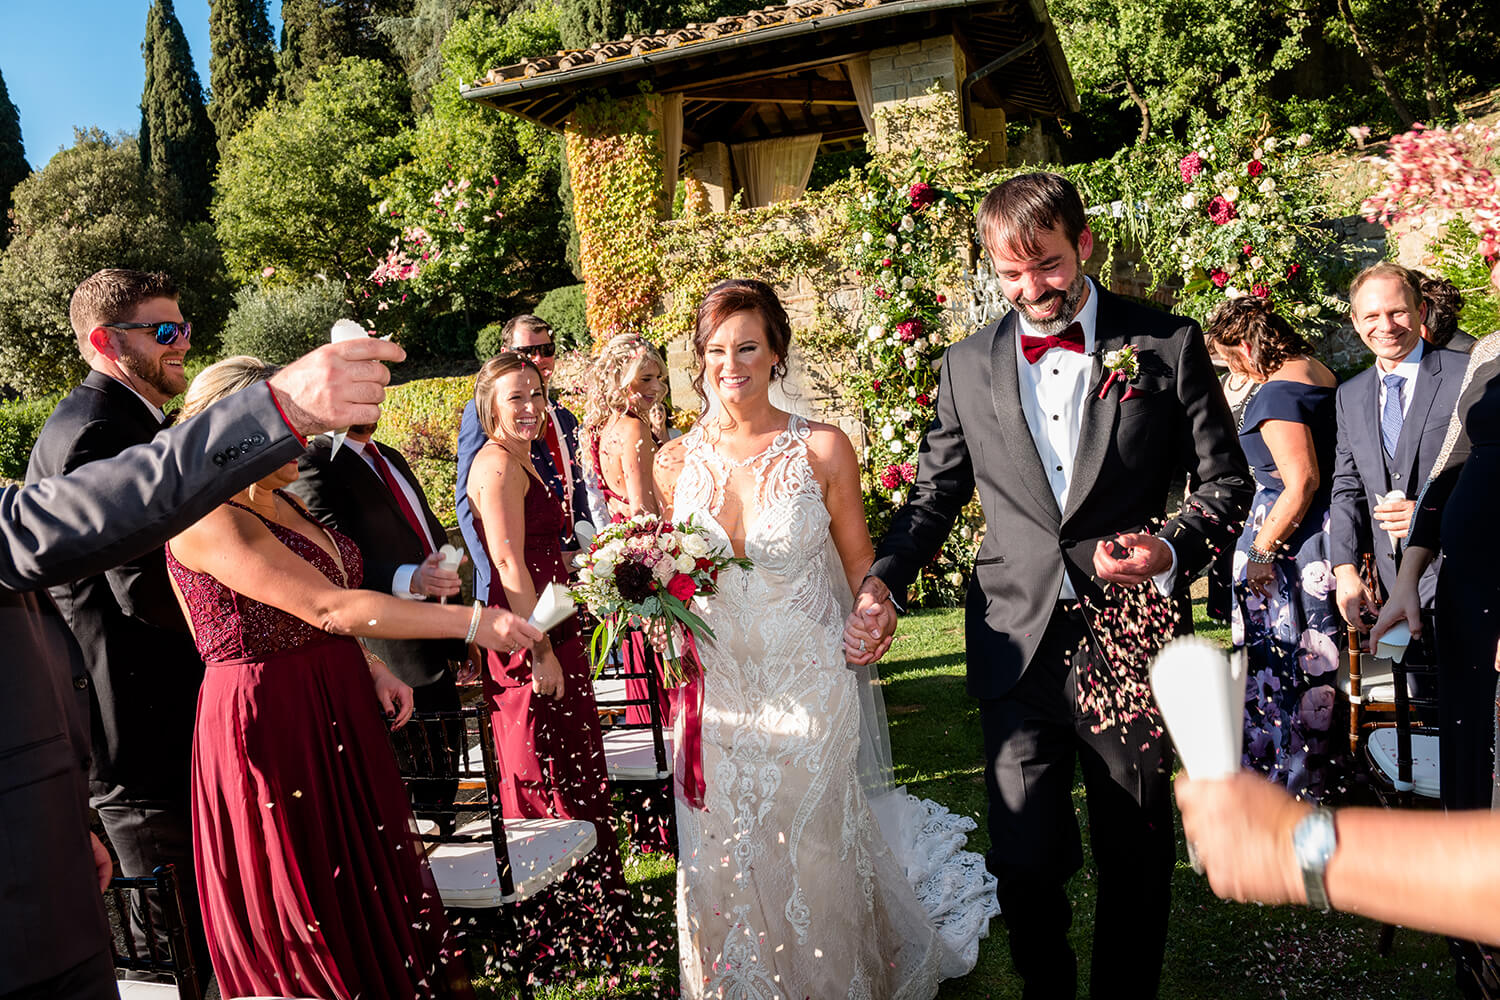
(1291, 636)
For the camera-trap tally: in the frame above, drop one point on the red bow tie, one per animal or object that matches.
(1071, 339)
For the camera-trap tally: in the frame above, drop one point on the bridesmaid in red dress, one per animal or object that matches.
(547, 736)
(310, 876)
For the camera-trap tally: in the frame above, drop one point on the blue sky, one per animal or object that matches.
(78, 62)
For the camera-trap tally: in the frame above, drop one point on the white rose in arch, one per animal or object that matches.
(1267, 185)
(888, 432)
(1257, 262)
(1231, 193)
(1253, 211)
(908, 223)
(891, 241)
(867, 238)
(1190, 200)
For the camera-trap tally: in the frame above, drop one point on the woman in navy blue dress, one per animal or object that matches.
(1284, 615)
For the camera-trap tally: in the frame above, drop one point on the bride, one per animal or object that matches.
(803, 873)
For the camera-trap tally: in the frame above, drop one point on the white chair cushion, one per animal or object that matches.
(1376, 686)
(630, 755)
(1424, 760)
(609, 690)
(146, 991)
(541, 850)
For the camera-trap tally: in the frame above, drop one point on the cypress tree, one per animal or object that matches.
(242, 66)
(177, 141)
(318, 33)
(13, 168)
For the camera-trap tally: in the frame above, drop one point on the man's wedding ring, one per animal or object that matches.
(861, 645)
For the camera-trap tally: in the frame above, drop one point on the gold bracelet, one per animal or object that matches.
(474, 622)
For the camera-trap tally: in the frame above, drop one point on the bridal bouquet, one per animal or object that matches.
(644, 572)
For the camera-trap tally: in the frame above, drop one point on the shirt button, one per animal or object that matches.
(1396, 475)
(1059, 468)
(1054, 371)
(81, 683)
(1056, 417)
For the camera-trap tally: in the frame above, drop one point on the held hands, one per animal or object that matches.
(1131, 559)
(432, 579)
(1241, 828)
(336, 385)
(871, 626)
(1394, 517)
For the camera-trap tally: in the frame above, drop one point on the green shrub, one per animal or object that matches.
(20, 423)
(563, 310)
(283, 322)
(489, 342)
(420, 420)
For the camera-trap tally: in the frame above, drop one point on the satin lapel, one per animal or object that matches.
(1097, 423)
(1005, 389)
(1415, 421)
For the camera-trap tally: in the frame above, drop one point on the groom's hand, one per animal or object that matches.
(1131, 559)
(871, 626)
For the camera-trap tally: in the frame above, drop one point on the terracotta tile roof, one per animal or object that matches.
(604, 52)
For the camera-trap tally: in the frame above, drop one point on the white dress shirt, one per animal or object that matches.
(1053, 392)
(401, 581)
(156, 411)
(1409, 368)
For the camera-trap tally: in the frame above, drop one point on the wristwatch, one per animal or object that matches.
(1313, 842)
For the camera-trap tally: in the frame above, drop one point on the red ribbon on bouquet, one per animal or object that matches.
(689, 701)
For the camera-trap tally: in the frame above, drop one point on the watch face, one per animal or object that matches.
(1314, 839)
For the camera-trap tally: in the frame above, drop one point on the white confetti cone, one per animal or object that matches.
(344, 329)
(554, 605)
(1201, 694)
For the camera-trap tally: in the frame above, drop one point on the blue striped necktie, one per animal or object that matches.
(1390, 414)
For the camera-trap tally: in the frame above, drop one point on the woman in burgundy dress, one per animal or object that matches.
(547, 736)
(310, 876)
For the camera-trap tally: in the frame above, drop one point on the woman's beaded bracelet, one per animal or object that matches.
(1261, 556)
(474, 622)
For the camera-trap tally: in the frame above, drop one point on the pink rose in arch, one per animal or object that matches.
(1220, 210)
(1260, 290)
(1190, 166)
(921, 195)
(908, 472)
(1219, 277)
(890, 478)
(909, 330)
(1255, 168)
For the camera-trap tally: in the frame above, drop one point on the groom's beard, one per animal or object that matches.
(1059, 320)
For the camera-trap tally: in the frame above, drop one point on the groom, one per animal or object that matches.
(1072, 464)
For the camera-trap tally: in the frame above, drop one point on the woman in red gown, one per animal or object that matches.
(547, 735)
(310, 876)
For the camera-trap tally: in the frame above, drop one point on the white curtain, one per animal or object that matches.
(858, 70)
(671, 138)
(775, 170)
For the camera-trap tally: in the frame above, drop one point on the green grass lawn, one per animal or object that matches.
(1216, 949)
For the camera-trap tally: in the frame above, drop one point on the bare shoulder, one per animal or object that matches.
(670, 456)
(831, 451)
(223, 526)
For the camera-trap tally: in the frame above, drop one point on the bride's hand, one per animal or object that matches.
(871, 626)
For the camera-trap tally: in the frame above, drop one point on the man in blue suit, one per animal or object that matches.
(555, 454)
(1392, 418)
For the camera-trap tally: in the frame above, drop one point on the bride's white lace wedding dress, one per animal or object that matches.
(788, 885)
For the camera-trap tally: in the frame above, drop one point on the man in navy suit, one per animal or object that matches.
(555, 454)
(1392, 419)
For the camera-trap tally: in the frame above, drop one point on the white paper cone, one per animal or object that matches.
(554, 605)
(1392, 645)
(344, 329)
(1393, 495)
(584, 531)
(1201, 701)
(452, 556)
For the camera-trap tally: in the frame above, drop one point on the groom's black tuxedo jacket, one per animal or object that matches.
(1127, 453)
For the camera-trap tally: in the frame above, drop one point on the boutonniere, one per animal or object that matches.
(1123, 365)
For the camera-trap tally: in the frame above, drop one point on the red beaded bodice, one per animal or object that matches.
(230, 626)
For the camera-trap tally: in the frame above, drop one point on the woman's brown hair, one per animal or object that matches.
(736, 296)
(1250, 320)
(501, 364)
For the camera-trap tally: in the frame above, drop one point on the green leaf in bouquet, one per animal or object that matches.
(678, 610)
(600, 643)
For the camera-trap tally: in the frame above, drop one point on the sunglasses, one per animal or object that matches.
(166, 333)
(537, 350)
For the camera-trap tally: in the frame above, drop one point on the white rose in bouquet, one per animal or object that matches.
(685, 563)
(694, 545)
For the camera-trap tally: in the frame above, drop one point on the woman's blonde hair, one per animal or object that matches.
(501, 364)
(608, 381)
(223, 378)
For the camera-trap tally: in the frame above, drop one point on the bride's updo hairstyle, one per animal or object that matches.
(739, 295)
(1250, 320)
(484, 385)
(610, 375)
(223, 378)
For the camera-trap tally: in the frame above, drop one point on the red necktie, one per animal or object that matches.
(383, 467)
(564, 474)
(1071, 339)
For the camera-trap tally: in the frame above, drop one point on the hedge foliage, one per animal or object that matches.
(20, 423)
(280, 323)
(420, 420)
(564, 310)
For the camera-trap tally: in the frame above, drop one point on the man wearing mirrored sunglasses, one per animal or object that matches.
(143, 669)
